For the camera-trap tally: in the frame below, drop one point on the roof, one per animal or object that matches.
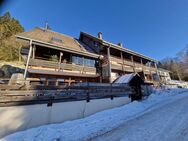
(125, 78)
(54, 38)
(117, 46)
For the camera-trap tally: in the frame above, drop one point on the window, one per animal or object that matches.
(92, 63)
(86, 62)
(74, 60)
(79, 60)
(96, 44)
(89, 62)
(56, 39)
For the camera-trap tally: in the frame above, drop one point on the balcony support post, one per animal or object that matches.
(141, 62)
(34, 49)
(157, 72)
(132, 59)
(122, 62)
(60, 58)
(150, 72)
(109, 64)
(142, 68)
(28, 58)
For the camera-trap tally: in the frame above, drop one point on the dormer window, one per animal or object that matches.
(96, 44)
(56, 39)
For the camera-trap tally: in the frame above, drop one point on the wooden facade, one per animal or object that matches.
(118, 60)
(87, 59)
(164, 75)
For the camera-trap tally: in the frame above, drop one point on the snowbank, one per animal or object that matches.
(99, 123)
(177, 84)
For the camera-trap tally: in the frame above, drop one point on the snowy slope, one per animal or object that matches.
(165, 123)
(100, 123)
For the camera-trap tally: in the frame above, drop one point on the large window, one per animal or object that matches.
(92, 63)
(79, 60)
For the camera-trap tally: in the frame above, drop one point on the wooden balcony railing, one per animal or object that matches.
(62, 66)
(117, 64)
(119, 61)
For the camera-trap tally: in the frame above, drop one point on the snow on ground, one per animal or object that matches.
(99, 123)
(164, 123)
(176, 84)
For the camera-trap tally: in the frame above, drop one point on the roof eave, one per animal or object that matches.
(129, 51)
(58, 47)
(117, 47)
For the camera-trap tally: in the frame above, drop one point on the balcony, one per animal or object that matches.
(128, 65)
(59, 68)
(119, 61)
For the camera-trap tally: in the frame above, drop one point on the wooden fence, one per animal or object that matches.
(21, 95)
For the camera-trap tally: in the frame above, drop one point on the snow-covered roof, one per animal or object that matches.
(2, 82)
(125, 78)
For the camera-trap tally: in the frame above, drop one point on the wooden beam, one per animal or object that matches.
(159, 79)
(132, 59)
(109, 64)
(141, 61)
(28, 58)
(34, 50)
(122, 61)
(142, 64)
(60, 58)
(142, 68)
(20, 47)
(69, 81)
(150, 71)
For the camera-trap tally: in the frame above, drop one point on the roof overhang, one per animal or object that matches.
(127, 50)
(106, 43)
(63, 48)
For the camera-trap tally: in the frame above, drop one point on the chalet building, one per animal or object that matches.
(118, 60)
(52, 55)
(164, 75)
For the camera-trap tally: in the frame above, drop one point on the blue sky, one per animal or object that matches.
(156, 28)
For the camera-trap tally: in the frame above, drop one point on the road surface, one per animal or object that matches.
(166, 123)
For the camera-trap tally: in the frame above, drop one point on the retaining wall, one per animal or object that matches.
(18, 118)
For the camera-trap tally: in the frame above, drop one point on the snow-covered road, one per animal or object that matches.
(165, 123)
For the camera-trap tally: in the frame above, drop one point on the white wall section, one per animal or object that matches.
(18, 118)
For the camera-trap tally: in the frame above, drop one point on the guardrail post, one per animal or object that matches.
(87, 95)
(111, 96)
(49, 104)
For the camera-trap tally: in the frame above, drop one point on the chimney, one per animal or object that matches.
(120, 44)
(46, 25)
(100, 35)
